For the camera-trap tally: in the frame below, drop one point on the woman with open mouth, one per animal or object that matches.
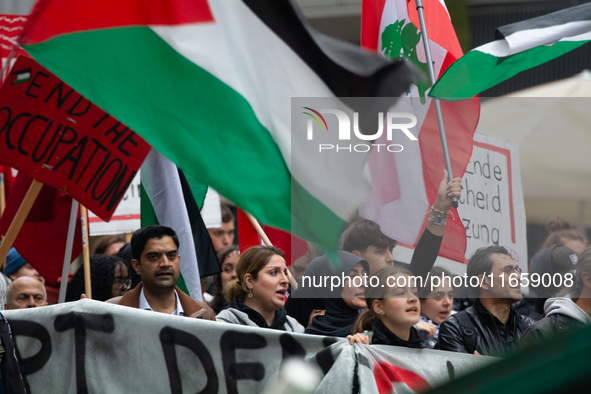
(436, 304)
(393, 309)
(258, 293)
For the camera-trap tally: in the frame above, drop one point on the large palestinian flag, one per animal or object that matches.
(209, 84)
(523, 45)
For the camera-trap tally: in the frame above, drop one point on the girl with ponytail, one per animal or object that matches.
(393, 309)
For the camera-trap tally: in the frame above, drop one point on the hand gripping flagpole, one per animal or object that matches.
(437, 105)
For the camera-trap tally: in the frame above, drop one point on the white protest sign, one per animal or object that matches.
(95, 347)
(491, 203)
(126, 218)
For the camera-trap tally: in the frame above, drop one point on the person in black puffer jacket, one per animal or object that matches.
(490, 326)
(569, 313)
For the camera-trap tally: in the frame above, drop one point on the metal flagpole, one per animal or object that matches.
(68, 253)
(437, 105)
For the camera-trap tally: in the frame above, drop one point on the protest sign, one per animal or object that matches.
(491, 205)
(126, 218)
(60, 138)
(90, 346)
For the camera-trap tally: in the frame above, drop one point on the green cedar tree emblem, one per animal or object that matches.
(400, 43)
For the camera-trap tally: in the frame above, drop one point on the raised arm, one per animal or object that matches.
(428, 246)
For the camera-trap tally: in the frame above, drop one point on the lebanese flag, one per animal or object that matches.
(405, 184)
(210, 85)
(42, 238)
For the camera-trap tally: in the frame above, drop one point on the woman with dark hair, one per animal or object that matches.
(393, 310)
(228, 259)
(341, 303)
(108, 276)
(259, 290)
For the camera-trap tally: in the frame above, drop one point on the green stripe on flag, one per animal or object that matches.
(205, 127)
(476, 71)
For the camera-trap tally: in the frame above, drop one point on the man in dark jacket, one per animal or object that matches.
(491, 326)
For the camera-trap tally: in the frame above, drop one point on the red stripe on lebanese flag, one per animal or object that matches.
(371, 14)
(460, 119)
(64, 16)
(438, 23)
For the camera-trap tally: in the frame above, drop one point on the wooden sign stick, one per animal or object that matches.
(19, 219)
(85, 252)
(261, 233)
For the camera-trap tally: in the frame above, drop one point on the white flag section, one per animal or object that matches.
(161, 181)
(211, 212)
(491, 203)
(95, 347)
(126, 218)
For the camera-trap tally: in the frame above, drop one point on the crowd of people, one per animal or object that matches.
(398, 307)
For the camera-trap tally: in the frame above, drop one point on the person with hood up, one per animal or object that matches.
(569, 313)
(341, 302)
(258, 293)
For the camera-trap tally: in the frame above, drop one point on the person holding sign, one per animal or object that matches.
(156, 259)
(258, 294)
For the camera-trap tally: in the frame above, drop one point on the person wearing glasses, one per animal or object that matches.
(491, 326)
(109, 278)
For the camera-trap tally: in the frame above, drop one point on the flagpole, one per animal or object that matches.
(437, 104)
(86, 252)
(267, 241)
(19, 219)
(2, 195)
(68, 253)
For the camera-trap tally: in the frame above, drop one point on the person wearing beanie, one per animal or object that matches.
(568, 313)
(555, 259)
(17, 266)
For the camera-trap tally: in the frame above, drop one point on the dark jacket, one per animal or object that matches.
(562, 316)
(12, 380)
(475, 328)
(383, 336)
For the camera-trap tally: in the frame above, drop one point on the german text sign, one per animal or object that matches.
(58, 137)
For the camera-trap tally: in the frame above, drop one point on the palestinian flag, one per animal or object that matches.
(167, 199)
(209, 84)
(405, 184)
(524, 45)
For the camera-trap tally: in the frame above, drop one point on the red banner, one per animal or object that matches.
(58, 137)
